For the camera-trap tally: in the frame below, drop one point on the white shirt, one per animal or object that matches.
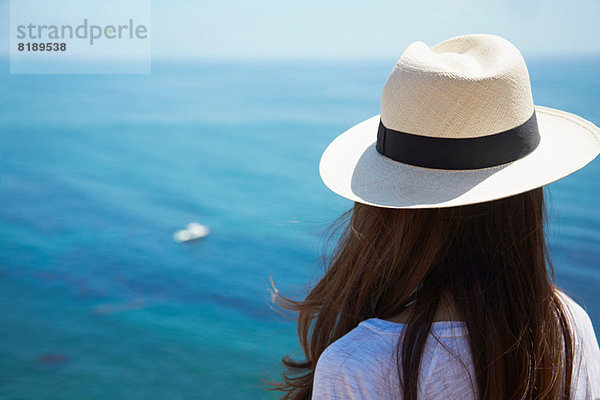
(361, 364)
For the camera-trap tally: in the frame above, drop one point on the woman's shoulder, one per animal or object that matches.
(372, 344)
(586, 353)
(584, 337)
(359, 347)
(578, 317)
(358, 364)
(372, 340)
(351, 366)
(364, 359)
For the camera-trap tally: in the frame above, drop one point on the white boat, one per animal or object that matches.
(193, 231)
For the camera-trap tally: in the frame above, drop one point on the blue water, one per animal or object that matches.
(97, 172)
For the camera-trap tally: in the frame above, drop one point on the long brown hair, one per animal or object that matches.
(490, 258)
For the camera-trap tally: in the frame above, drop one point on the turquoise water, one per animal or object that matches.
(97, 172)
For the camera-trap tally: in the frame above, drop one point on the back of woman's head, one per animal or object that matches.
(490, 259)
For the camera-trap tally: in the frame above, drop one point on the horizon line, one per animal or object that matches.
(315, 58)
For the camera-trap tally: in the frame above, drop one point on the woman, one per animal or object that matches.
(441, 286)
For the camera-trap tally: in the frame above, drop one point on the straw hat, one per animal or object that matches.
(457, 126)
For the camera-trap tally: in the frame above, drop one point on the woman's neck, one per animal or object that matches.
(446, 311)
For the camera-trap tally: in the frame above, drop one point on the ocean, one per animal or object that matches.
(97, 301)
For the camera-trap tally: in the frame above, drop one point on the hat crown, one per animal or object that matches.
(468, 86)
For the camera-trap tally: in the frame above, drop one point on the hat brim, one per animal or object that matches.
(352, 167)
